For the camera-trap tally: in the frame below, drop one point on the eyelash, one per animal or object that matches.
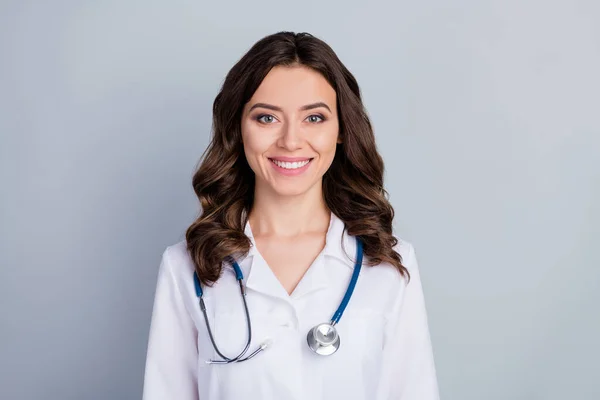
(258, 118)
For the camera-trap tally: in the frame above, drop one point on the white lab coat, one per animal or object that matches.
(385, 350)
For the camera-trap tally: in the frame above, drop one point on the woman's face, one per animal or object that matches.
(290, 130)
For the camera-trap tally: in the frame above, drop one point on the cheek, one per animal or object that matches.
(254, 144)
(326, 143)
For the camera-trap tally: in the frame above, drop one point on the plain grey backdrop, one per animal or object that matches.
(486, 113)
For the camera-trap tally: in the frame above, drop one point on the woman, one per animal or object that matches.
(294, 215)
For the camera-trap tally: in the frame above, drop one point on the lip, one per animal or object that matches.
(290, 172)
(290, 159)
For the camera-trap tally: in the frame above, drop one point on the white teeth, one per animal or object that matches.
(290, 165)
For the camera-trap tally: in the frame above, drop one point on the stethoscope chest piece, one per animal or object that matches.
(323, 339)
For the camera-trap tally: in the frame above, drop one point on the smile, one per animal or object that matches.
(291, 165)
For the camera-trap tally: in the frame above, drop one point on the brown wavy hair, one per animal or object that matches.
(224, 182)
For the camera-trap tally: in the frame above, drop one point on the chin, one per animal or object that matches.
(292, 189)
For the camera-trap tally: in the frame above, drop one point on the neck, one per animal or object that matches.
(289, 216)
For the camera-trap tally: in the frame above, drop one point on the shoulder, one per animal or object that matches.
(177, 272)
(177, 253)
(176, 259)
(385, 279)
(387, 271)
(408, 255)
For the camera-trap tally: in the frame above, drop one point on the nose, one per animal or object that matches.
(290, 137)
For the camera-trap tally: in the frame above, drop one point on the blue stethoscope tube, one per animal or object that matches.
(323, 339)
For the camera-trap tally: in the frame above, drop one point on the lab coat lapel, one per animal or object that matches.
(259, 277)
(317, 276)
(340, 244)
(262, 279)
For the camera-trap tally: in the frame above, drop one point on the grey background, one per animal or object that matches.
(486, 113)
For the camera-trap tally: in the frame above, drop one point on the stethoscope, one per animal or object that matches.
(323, 339)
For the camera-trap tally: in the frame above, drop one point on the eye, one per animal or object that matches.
(265, 118)
(315, 118)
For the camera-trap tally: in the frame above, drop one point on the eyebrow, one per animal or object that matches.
(303, 108)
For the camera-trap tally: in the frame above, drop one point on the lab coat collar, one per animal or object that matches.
(338, 245)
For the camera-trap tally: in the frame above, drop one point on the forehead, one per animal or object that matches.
(292, 87)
